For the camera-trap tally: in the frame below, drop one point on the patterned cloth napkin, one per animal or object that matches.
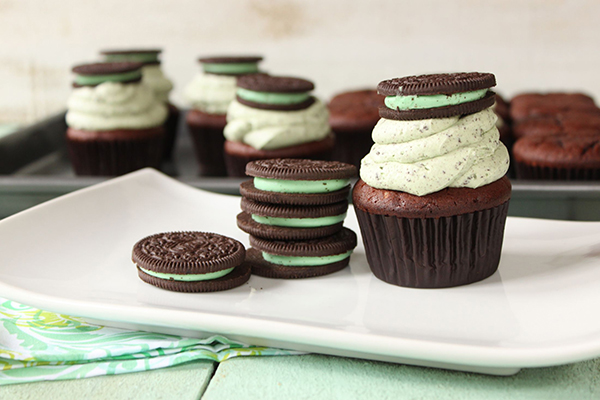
(38, 345)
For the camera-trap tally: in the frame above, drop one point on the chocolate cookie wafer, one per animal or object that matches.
(97, 73)
(235, 66)
(298, 181)
(274, 92)
(191, 261)
(288, 222)
(436, 95)
(301, 259)
(145, 56)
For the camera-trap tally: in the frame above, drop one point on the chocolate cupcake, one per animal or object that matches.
(352, 116)
(209, 95)
(115, 124)
(433, 197)
(153, 77)
(528, 105)
(275, 117)
(558, 157)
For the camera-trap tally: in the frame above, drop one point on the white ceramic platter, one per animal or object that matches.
(73, 255)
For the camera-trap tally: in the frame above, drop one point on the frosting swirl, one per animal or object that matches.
(153, 77)
(113, 105)
(211, 93)
(269, 129)
(425, 156)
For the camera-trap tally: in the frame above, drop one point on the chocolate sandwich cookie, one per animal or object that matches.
(298, 181)
(191, 261)
(230, 65)
(301, 259)
(436, 95)
(269, 92)
(95, 74)
(273, 221)
(145, 56)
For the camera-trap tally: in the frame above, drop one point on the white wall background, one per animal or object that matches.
(339, 44)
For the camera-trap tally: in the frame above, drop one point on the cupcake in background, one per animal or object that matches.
(433, 197)
(352, 116)
(153, 77)
(275, 117)
(115, 123)
(209, 95)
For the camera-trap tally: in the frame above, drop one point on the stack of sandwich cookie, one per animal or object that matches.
(115, 123)
(153, 77)
(275, 117)
(433, 197)
(191, 261)
(290, 207)
(209, 95)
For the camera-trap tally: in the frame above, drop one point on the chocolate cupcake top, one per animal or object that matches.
(272, 112)
(212, 90)
(152, 74)
(356, 110)
(458, 147)
(436, 95)
(108, 96)
(97, 73)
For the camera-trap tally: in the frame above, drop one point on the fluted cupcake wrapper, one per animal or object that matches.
(352, 147)
(171, 125)
(115, 157)
(434, 252)
(525, 171)
(208, 146)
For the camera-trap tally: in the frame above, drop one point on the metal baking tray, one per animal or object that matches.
(34, 168)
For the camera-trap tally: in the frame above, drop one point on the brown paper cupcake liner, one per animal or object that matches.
(524, 171)
(114, 157)
(208, 147)
(171, 125)
(352, 147)
(434, 252)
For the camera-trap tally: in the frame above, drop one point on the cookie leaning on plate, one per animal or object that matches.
(191, 261)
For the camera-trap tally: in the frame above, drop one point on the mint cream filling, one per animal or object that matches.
(299, 222)
(137, 57)
(98, 79)
(230, 68)
(272, 98)
(293, 261)
(288, 186)
(432, 101)
(188, 277)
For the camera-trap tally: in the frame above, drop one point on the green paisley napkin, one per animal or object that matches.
(38, 345)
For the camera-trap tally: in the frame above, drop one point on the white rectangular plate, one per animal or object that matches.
(73, 255)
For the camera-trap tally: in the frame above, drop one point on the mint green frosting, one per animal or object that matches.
(230, 68)
(85, 80)
(188, 277)
(136, 57)
(299, 222)
(432, 101)
(272, 98)
(288, 186)
(292, 261)
(425, 156)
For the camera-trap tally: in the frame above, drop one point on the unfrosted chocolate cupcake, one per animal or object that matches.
(275, 117)
(433, 197)
(153, 77)
(528, 105)
(352, 116)
(558, 157)
(209, 95)
(115, 124)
